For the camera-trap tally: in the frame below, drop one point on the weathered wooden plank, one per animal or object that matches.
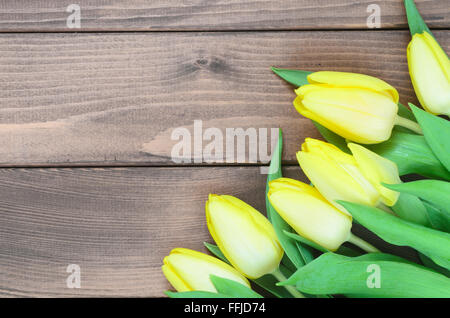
(52, 15)
(117, 224)
(116, 99)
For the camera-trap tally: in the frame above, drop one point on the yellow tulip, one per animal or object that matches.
(309, 213)
(358, 107)
(355, 178)
(429, 68)
(377, 170)
(244, 235)
(189, 270)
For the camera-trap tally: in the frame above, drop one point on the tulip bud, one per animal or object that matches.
(189, 270)
(244, 235)
(429, 68)
(340, 176)
(309, 213)
(377, 170)
(357, 107)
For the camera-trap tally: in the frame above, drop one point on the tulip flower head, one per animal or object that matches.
(355, 178)
(189, 270)
(358, 107)
(244, 235)
(309, 213)
(429, 68)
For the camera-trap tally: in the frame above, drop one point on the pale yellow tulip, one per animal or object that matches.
(429, 68)
(244, 235)
(358, 107)
(189, 270)
(340, 176)
(309, 213)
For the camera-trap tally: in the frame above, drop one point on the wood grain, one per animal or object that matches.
(115, 99)
(117, 224)
(163, 15)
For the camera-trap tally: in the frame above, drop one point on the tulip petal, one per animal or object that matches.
(429, 68)
(267, 282)
(292, 184)
(335, 174)
(441, 56)
(189, 270)
(327, 150)
(245, 237)
(256, 216)
(312, 218)
(377, 170)
(344, 79)
(174, 279)
(359, 115)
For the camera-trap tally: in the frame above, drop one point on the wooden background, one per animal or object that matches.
(86, 117)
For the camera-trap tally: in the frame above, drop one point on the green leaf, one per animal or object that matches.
(405, 112)
(436, 192)
(294, 77)
(415, 20)
(287, 262)
(232, 288)
(332, 137)
(267, 282)
(432, 265)
(289, 245)
(410, 208)
(438, 219)
(303, 240)
(337, 274)
(307, 255)
(435, 244)
(412, 154)
(436, 131)
(215, 250)
(275, 163)
(196, 294)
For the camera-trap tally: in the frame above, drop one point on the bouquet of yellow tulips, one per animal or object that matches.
(371, 141)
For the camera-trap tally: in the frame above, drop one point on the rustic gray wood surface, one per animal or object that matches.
(173, 15)
(116, 223)
(107, 99)
(86, 120)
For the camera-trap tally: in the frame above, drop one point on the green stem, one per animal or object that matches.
(291, 289)
(362, 244)
(411, 125)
